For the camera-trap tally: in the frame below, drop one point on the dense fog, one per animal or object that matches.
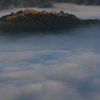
(52, 67)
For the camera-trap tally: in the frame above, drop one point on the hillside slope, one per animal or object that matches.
(31, 21)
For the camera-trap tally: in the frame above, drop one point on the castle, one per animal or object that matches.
(13, 16)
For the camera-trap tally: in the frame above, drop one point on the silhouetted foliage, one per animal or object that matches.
(41, 22)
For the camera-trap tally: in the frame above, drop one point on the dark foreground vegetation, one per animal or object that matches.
(42, 3)
(30, 21)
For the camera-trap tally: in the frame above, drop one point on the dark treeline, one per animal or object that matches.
(42, 3)
(37, 22)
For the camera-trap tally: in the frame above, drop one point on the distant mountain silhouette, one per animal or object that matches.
(42, 3)
(82, 2)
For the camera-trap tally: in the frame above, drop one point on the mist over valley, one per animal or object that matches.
(52, 67)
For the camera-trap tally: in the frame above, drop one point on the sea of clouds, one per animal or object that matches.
(51, 67)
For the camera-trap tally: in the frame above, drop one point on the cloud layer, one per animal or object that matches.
(62, 67)
(53, 67)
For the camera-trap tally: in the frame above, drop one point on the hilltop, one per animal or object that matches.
(31, 21)
(23, 14)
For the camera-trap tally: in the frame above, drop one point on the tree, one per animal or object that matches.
(62, 12)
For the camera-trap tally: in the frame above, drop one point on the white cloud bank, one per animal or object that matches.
(62, 67)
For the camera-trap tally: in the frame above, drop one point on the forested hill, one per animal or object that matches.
(31, 21)
(81, 2)
(43, 3)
